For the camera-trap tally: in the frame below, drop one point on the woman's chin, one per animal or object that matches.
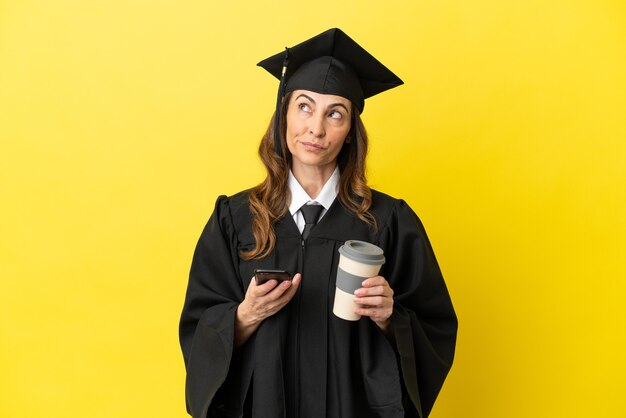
(311, 160)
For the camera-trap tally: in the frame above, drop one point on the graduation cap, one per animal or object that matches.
(329, 63)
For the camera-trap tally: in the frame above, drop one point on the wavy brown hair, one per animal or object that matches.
(269, 201)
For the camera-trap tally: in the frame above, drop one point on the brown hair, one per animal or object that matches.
(269, 201)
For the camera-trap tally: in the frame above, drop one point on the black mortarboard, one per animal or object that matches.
(329, 63)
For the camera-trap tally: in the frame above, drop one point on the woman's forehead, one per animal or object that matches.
(319, 98)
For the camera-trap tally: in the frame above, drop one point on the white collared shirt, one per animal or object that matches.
(300, 197)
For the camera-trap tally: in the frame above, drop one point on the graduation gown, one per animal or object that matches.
(304, 361)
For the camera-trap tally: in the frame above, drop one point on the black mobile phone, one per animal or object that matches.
(261, 276)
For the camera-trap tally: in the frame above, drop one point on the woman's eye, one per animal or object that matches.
(304, 107)
(335, 114)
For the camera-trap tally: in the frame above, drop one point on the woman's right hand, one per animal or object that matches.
(261, 302)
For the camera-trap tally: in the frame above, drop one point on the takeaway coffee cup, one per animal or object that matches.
(358, 260)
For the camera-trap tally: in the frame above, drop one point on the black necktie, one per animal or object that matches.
(311, 213)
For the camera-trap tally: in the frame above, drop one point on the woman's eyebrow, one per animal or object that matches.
(339, 104)
(304, 95)
(331, 106)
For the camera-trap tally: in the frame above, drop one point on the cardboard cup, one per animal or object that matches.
(358, 261)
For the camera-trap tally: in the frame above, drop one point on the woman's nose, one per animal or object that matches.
(316, 128)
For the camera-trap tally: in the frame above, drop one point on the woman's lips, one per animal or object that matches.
(312, 146)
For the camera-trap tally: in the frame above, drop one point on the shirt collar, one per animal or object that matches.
(300, 197)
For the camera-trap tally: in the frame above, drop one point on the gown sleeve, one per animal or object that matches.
(423, 321)
(207, 321)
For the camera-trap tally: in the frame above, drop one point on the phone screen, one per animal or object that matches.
(262, 276)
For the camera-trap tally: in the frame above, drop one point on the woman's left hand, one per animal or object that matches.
(376, 300)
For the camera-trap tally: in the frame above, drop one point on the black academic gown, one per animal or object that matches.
(304, 362)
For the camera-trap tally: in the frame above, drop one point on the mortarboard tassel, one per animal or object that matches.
(281, 93)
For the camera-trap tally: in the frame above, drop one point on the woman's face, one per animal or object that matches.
(317, 126)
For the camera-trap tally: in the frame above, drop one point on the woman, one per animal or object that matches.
(276, 349)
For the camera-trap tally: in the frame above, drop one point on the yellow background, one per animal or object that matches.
(121, 121)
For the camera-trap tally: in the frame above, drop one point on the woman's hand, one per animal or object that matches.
(261, 302)
(376, 300)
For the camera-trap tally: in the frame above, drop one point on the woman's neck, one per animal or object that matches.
(312, 178)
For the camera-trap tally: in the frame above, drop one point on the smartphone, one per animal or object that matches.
(261, 276)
